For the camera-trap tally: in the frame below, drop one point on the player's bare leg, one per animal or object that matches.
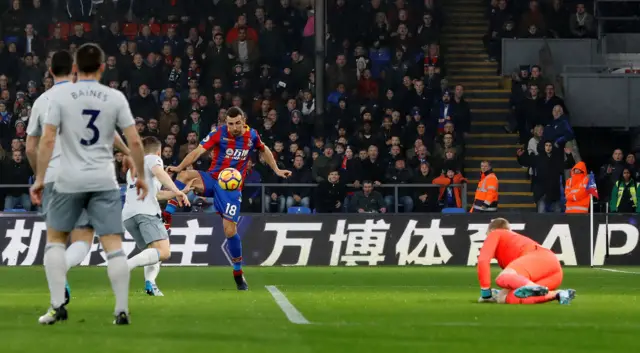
(235, 249)
(81, 240)
(183, 178)
(150, 258)
(55, 267)
(521, 285)
(118, 272)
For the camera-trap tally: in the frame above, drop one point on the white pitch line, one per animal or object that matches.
(617, 271)
(289, 310)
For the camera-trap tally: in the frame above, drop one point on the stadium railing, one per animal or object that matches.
(396, 188)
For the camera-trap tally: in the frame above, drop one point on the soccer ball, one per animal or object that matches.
(229, 179)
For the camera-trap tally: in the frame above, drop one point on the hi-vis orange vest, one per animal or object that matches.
(486, 193)
(575, 190)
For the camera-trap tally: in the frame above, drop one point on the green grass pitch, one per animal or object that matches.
(360, 309)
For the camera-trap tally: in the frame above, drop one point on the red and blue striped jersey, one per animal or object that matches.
(229, 151)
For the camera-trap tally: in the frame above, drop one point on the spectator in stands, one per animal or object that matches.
(610, 173)
(575, 190)
(556, 18)
(330, 194)
(426, 198)
(251, 195)
(450, 196)
(624, 195)
(486, 198)
(368, 200)
(560, 132)
(399, 174)
(16, 170)
(582, 23)
(530, 113)
(548, 168)
(299, 196)
(550, 101)
(532, 20)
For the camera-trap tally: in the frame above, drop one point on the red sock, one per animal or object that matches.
(512, 281)
(512, 299)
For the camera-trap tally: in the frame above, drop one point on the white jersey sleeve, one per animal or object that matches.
(124, 115)
(39, 112)
(39, 109)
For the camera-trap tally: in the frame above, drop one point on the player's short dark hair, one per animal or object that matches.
(89, 58)
(61, 63)
(234, 112)
(151, 144)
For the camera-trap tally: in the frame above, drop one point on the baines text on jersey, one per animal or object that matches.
(90, 93)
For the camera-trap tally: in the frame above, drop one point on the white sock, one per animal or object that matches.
(144, 258)
(151, 272)
(119, 276)
(55, 268)
(76, 252)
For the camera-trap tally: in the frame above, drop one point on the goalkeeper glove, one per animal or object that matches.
(486, 293)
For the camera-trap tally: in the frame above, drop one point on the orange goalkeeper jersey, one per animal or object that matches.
(504, 246)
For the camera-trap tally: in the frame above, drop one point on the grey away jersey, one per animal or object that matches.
(86, 114)
(36, 120)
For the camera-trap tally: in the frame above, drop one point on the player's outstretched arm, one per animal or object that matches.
(137, 153)
(164, 195)
(188, 159)
(166, 181)
(271, 161)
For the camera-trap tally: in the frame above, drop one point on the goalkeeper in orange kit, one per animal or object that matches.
(531, 274)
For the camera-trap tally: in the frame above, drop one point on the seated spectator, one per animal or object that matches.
(582, 23)
(16, 171)
(324, 163)
(399, 174)
(330, 194)
(532, 18)
(299, 196)
(251, 198)
(368, 200)
(426, 198)
(624, 195)
(556, 18)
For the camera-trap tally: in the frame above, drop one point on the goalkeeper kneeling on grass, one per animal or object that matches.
(531, 274)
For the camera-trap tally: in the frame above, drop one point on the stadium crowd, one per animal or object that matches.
(390, 117)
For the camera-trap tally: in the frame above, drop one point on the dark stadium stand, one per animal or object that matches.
(388, 67)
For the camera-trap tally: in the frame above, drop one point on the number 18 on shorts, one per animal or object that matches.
(227, 203)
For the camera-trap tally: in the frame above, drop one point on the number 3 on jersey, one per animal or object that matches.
(93, 115)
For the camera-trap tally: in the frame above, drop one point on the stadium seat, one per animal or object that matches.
(130, 30)
(166, 26)
(453, 210)
(155, 29)
(85, 25)
(64, 29)
(299, 210)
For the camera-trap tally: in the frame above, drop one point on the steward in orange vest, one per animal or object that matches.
(575, 190)
(486, 199)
